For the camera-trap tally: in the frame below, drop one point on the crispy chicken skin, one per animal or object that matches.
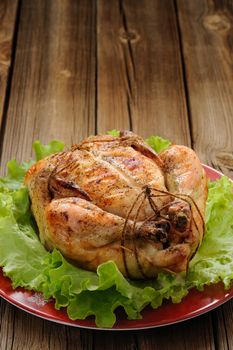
(114, 198)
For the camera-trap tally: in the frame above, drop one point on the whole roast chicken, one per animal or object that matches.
(114, 198)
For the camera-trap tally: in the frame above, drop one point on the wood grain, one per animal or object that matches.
(85, 66)
(140, 82)
(207, 41)
(52, 96)
(7, 316)
(175, 337)
(53, 87)
(44, 335)
(226, 332)
(115, 341)
(8, 12)
(140, 85)
(222, 333)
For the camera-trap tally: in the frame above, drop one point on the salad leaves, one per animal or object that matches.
(158, 143)
(114, 132)
(84, 293)
(42, 151)
(214, 259)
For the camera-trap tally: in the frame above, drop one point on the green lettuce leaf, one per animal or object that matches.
(158, 143)
(15, 175)
(84, 293)
(21, 253)
(114, 132)
(214, 259)
(42, 151)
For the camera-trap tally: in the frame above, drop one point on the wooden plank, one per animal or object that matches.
(8, 12)
(112, 92)
(191, 335)
(53, 87)
(52, 96)
(20, 330)
(30, 332)
(140, 85)
(222, 334)
(140, 82)
(7, 315)
(226, 330)
(207, 36)
(113, 341)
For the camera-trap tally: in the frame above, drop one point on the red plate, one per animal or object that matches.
(194, 304)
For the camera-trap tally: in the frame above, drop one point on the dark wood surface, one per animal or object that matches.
(73, 68)
(8, 16)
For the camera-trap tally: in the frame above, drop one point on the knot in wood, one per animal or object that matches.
(129, 35)
(217, 22)
(66, 73)
(5, 51)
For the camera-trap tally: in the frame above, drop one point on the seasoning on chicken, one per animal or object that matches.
(114, 198)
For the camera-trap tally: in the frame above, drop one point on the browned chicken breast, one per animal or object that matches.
(114, 198)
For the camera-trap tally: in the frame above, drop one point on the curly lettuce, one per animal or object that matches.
(26, 262)
(158, 143)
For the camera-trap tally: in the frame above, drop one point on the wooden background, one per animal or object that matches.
(70, 68)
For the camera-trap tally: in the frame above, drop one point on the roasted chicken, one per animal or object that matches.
(114, 198)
